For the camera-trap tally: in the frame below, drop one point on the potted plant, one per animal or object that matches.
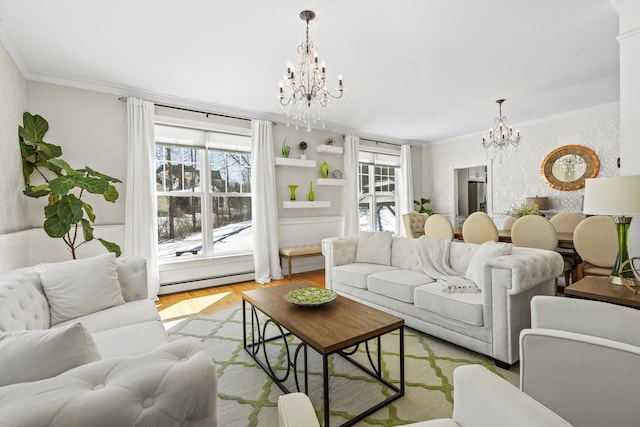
(67, 216)
(303, 146)
(421, 203)
(524, 209)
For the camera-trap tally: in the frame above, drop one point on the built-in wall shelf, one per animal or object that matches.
(330, 181)
(303, 204)
(285, 161)
(329, 149)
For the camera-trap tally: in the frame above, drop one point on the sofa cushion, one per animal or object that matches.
(485, 251)
(22, 301)
(405, 254)
(374, 247)
(397, 284)
(465, 307)
(38, 354)
(78, 287)
(356, 274)
(126, 314)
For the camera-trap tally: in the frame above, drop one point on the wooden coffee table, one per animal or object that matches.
(599, 289)
(328, 329)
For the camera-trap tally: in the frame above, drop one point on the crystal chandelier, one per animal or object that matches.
(303, 90)
(501, 135)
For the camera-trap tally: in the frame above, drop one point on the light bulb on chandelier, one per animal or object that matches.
(501, 135)
(304, 96)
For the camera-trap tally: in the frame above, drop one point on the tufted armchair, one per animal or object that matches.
(414, 224)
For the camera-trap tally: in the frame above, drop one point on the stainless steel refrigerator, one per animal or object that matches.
(477, 192)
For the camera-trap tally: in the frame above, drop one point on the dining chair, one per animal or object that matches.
(438, 226)
(566, 222)
(596, 242)
(535, 231)
(414, 224)
(479, 228)
(508, 223)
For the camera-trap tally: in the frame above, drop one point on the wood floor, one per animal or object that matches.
(220, 298)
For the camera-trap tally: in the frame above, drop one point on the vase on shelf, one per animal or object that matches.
(292, 189)
(324, 169)
(285, 148)
(311, 196)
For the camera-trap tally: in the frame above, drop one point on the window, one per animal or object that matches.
(377, 191)
(202, 214)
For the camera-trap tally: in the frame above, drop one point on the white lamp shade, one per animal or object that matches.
(614, 196)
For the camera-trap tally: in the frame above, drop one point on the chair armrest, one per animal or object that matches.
(593, 318)
(482, 399)
(172, 384)
(528, 266)
(295, 410)
(337, 251)
(590, 381)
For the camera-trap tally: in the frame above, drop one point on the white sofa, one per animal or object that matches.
(488, 322)
(482, 399)
(81, 344)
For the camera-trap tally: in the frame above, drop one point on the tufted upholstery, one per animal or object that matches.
(414, 224)
(175, 385)
(22, 301)
(489, 322)
(479, 228)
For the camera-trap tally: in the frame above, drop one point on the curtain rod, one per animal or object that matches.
(380, 142)
(207, 113)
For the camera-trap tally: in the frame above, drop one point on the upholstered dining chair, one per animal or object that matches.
(566, 222)
(535, 231)
(438, 226)
(479, 228)
(508, 223)
(596, 242)
(414, 224)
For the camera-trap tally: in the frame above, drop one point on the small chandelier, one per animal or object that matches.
(303, 90)
(501, 135)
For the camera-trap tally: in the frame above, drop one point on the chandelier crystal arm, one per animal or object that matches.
(501, 135)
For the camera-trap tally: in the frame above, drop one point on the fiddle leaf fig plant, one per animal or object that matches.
(66, 214)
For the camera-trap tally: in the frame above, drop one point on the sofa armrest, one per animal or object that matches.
(529, 267)
(132, 274)
(173, 384)
(337, 251)
(592, 318)
(590, 381)
(295, 410)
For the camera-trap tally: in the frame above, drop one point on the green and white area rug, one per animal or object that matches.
(248, 397)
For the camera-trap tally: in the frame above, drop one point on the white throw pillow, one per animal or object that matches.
(79, 287)
(486, 251)
(43, 353)
(374, 247)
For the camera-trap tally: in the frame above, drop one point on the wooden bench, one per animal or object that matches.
(300, 251)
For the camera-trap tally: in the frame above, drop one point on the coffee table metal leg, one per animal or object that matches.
(325, 388)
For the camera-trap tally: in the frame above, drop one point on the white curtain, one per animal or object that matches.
(140, 225)
(405, 184)
(351, 148)
(264, 207)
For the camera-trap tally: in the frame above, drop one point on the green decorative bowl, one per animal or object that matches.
(310, 297)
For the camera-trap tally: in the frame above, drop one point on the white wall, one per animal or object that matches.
(516, 173)
(13, 204)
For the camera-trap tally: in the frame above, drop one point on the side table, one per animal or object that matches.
(599, 289)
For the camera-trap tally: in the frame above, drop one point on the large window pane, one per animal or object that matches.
(377, 198)
(179, 226)
(232, 231)
(177, 168)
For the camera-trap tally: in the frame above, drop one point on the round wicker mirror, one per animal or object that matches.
(567, 167)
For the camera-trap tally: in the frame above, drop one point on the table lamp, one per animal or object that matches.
(618, 197)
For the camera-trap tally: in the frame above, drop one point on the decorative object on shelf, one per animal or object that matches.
(337, 174)
(566, 168)
(421, 203)
(292, 189)
(629, 273)
(67, 215)
(285, 148)
(311, 196)
(304, 93)
(310, 297)
(541, 202)
(523, 210)
(501, 135)
(303, 147)
(329, 141)
(324, 170)
(619, 197)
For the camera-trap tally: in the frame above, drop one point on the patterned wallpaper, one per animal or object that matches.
(516, 171)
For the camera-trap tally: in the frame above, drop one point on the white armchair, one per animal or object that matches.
(482, 399)
(581, 359)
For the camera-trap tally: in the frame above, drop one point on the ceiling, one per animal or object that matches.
(414, 70)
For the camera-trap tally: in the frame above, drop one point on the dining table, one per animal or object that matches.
(565, 240)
